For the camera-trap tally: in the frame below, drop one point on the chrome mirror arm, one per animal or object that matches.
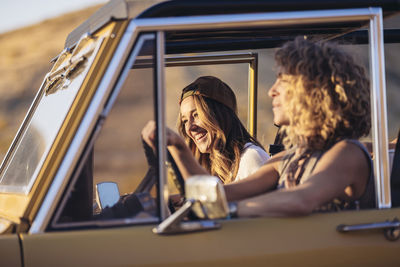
(174, 225)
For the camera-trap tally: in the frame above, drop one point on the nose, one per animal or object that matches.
(191, 125)
(272, 92)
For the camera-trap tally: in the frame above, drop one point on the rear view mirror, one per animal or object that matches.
(107, 194)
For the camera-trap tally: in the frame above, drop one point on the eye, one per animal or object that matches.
(285, 78)
(184, 122)
(195, 115)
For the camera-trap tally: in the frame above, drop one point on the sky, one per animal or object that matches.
(15, 14)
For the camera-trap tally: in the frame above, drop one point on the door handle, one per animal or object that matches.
(391, 229)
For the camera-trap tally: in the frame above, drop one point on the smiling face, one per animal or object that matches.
(193, 125)
(278, 93)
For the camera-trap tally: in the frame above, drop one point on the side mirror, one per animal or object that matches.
(205, 195)
(209, 196)
(107, 194)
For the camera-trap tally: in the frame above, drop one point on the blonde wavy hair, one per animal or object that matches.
(328, 99)
(228, 137)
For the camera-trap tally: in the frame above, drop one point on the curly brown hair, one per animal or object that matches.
(329, 99)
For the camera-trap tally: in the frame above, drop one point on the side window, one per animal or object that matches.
(266, 131)
(116, 153)
(392, 57)
(392, 51)
(233, 68)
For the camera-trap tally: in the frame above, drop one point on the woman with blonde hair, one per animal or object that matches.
(321, 100)
(215, 141)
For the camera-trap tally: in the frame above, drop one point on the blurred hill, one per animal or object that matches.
(25, 56)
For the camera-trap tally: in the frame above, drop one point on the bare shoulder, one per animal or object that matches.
(347, 162)
(347, 149)
(346, 154)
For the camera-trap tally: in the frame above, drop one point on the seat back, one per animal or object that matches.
(277, 146)
(395, 175)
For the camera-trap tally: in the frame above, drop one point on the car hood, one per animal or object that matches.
(6, 226)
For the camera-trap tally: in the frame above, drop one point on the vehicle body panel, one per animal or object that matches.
(255, 242)
(10, 250)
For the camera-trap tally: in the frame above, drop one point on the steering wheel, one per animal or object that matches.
(136, 202)
(180, 182)
(150, 178)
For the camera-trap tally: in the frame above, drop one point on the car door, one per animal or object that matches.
(10, 250)
(311, 241)
(63, 239)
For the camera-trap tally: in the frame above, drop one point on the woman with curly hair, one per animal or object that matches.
(215, 141)
(321, 100)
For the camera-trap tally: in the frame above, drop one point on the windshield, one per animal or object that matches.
(23, 162)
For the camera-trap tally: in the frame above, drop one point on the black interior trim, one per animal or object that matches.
(395, 175)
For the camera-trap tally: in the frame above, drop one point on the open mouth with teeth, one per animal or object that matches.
(200, 136)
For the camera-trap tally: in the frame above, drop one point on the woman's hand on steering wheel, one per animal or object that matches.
(149, 136)
(173, 139)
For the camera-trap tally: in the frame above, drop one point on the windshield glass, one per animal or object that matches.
(23, 162)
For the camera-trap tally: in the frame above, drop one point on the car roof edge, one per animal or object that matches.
(129, 9)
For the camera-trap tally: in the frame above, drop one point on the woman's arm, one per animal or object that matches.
(181, 153)
(185, 160)
(263, 180)
(344, 166)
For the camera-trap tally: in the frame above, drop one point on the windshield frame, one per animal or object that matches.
(58, 84)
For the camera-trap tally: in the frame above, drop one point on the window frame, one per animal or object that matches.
(250, 58)
(372, 15)
(54, 224)
(162, 25)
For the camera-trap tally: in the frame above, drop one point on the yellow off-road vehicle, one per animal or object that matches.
(126, 65)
